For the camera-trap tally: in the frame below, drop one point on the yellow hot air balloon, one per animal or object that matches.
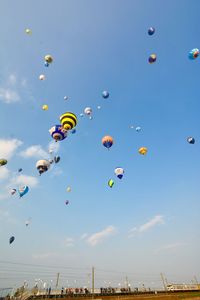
(68, 120)
(45, 107)
(28, 31)
(143, 150)
(69, 189)
(3, 162)
(48, 58)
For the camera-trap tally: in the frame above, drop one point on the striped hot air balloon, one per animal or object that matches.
(68, 120)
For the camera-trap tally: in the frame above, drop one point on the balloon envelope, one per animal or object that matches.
(23, 190)
(151, 30)
(119, 172)
(152, 58)
(3, 161)
(58, 133)
(11, 239)
(43, 165)
(105, 94)
(45, 107)
(66, 202)
(68, 189)
(68, 120)
(107, 141)
(191, 140)
(143, 150)
(193, 54)
(111, 183)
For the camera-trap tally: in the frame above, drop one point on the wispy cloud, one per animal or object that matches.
(35, 151)
(8, 96)
(69, 242)
(31, 181)
(98, 237)
(170, 247)
(6, 217)
(146, 226)
(4, 173)
(44, 255)
(84, 236)
(8, 147)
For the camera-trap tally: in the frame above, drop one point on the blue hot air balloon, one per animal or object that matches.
(105, 94)
(23, 190)
(151, 31)
(191, 140)
(193, 54)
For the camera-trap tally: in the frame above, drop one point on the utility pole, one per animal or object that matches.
(93, 280)
(163, 281)
(57, 280)
(127, 282)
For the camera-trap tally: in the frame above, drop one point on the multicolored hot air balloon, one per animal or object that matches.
(88, 111)
(3, 162)
(43, 165)
(191, 140)
(107, 141)
(111, 183)
(105, 94)
(152, 58)
(11, 239)
(58, 133)
(151, 31)
(193, 54)
(68, 120)
(119, 172)
(23, 190)
(143, 150)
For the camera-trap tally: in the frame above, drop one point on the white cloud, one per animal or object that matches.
(170, 246)
(83, 236)
(30, 181)
(35, 151)
(8, 96)
(8, 147)
(5, 216)
(98, 237)
(69, 242)
(4, 173)
(142, 228)
(44, 255)
(12, 79)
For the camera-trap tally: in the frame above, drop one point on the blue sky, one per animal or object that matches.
(149, 221)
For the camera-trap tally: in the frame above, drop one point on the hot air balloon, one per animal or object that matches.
(69, 189)
(23, 190)
(13, 191)
(45, 107)
(193, 54)
(107, 141)
(138, 129)
(81, 115)
(11, 239)
(152, 58)
(20, 170)
(58, 133)
(68, 120)
(151, 31)
(191, 140)
(105, 94)
(66, 97)
(119, 172)
(73, 131)
(42, 165)
(143, 150)
(42, 77)
(28, 221)
(28, 31)
(110, 183)
(88, 111)
(46, 64)
(48, 58)
(66, 202)
(3, 162)
(98, 107)
(56, 159)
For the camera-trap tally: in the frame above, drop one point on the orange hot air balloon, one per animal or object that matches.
(107, 141)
